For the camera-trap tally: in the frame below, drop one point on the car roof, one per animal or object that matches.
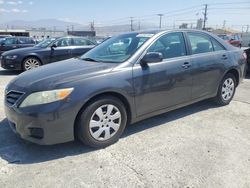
(74, 37)
(157, 31)
(16, 37)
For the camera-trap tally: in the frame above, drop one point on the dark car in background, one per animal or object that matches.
(125, 79)
(247, 50)
(10, 43)
(233, 39)
(4, 36)
(45, 52)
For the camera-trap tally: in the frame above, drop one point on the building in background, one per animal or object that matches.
(40, 33)
(183, 26)
(15, 32)
(89, 34)
(199, 24)
(245, 39)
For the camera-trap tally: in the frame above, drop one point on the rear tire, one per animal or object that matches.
(226, 90)
(102, 122)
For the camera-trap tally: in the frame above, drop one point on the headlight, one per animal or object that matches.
(45, 97)
(11, 57)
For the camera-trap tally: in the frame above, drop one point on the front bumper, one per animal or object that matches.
(10, 64)
(45, 124)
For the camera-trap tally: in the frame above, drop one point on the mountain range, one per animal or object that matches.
(61, 25)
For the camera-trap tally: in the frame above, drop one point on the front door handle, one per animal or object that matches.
(224, 57)
(186, 65)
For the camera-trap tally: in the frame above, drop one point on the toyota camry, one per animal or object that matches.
(125, 79)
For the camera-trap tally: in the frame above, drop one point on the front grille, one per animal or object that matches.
(12, 97)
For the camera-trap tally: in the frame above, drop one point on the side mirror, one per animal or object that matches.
(53, 46)
(151, 57)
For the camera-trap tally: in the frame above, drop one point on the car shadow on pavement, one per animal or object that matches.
(169, 116)
(18, 151)
(9, 72)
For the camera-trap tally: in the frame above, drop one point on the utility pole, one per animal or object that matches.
(131, 23)
(224, 24)
(247, 29)
(92, 26)
(205, 18)
(160, 15)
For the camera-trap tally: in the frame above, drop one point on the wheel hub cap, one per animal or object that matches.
(228, 89)
(105, 122)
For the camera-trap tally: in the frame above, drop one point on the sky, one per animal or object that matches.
(232, 13)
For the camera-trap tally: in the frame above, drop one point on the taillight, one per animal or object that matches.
(244, 55)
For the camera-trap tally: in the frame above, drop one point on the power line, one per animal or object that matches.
(169, 13)
(180, 13)
(230, 3)
(228, 8)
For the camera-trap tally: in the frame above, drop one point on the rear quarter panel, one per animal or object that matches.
(237, 61)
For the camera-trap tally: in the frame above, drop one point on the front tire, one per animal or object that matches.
(226, 90)
(102, 122)
(31, 63)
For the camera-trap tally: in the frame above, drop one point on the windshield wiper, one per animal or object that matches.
(89, 59)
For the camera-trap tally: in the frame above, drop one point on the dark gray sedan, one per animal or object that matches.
(45, 52)
(125, 79)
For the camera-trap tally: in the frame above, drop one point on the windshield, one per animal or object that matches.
(117, 49)
(45, 43)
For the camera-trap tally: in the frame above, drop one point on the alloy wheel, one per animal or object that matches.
(31, 63)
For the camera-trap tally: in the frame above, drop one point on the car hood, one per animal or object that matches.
(58, 74)
(21, 51)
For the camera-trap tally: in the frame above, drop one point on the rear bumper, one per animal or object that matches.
(44, 125)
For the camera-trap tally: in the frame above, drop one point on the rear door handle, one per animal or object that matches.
(186, 65)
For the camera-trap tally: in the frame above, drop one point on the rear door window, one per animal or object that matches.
(217, 46)
(200, 43)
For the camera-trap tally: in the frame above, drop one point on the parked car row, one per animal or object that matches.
(233, 39)
(45, 52)
(125, 79)
(247, 50)
(10, 43)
